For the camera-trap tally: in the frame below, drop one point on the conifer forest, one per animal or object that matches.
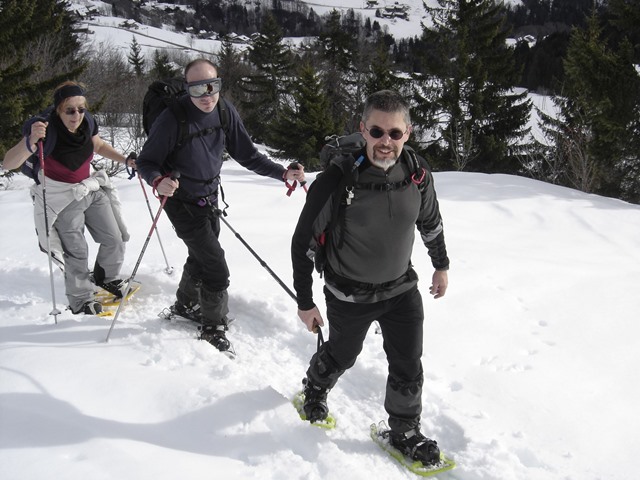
(469, 76)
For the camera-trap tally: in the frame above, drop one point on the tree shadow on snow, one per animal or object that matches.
(33, 420)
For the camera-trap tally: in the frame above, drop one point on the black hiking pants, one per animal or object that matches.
(205, 275)
(401, 320)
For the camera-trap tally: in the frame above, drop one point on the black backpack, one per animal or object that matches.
(31, 167)
(337, 146)
(339, 152)
(163, 94)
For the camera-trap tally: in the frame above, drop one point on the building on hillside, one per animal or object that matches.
(397, 10)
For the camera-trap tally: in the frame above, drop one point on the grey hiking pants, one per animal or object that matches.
(401, 320)
(93, 211)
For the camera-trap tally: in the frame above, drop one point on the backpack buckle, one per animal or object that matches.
(416, 180)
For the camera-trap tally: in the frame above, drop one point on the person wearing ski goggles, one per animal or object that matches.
(213, 126)
(202, 88)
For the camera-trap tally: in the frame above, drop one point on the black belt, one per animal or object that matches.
(210, 200)
(339, 280)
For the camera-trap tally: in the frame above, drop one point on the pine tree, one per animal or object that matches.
(594, 138)
(135, 58)
(267, 86)
(301, 129)
(232, 70)
(38, 50)
(162, 66)
(337, 47)
(625, 18)
(380, 67)
(464, 97)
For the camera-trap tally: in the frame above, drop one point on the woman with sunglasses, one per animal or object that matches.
(75, 197)
(192, 203)
(368, 275)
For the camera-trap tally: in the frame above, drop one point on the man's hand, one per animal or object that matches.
(311, 318)
(165, 186)
(439, 283)
(295, 172)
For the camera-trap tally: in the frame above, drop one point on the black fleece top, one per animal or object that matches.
(199, 161)
(376, 232)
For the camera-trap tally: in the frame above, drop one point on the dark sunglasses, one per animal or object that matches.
(394, 133)
(72, 111)
(203, 88)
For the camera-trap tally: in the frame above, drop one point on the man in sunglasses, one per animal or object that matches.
(367, 272)
(192, 204)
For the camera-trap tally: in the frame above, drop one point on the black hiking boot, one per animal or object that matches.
(315, 401)
(191, 312)
(416, 446)
(115, 287)
(215, 335)
(91, 307)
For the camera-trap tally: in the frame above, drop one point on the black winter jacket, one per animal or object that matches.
(199, 161)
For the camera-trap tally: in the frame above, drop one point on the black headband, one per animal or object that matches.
(66, 92)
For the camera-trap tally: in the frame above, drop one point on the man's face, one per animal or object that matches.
(203, 71)
(384, 151)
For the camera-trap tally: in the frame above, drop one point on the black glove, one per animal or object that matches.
(132, 172)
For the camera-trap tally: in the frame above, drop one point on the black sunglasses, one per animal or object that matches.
(202, 88)
(394, 133)
(71, 110)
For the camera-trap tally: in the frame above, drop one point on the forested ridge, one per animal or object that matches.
(469, 78)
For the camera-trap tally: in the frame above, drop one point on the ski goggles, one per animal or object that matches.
(203, 88)
(394, 133)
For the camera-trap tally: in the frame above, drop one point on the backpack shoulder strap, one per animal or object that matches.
(91, 122)
(417, 166)
(350, 168)
(223, 112)
(183, 128)
(180, 115)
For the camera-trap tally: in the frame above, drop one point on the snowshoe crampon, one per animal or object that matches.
(108, 299)
(110, 302)
(215, 335)
(380, 435)
(220, 341)
(298, 403)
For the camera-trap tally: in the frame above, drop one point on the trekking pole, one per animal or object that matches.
(55, 312)
(262, 262)
(317, 328)
(174, 176)
(169, 269)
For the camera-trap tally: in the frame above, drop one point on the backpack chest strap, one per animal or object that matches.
(383, 187)
(204, 181)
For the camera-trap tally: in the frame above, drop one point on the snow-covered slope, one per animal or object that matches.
(530, 358)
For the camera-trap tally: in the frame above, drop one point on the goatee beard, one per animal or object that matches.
(385, 164)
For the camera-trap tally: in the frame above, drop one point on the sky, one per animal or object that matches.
(530, 359)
